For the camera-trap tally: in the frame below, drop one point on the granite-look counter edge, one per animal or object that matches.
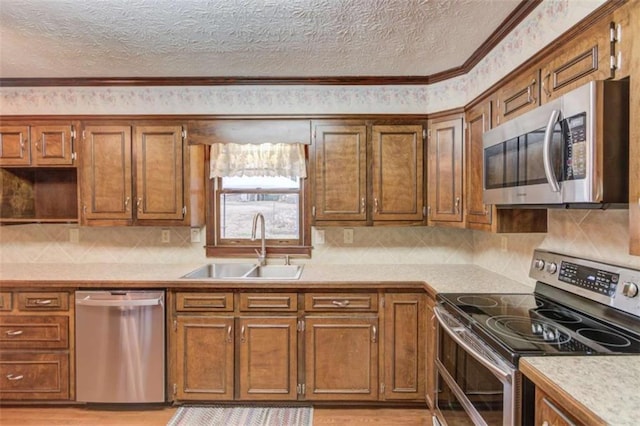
(605, 386)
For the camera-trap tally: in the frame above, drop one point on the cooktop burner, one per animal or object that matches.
(527, 329)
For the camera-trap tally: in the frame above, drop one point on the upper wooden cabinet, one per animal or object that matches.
(340, 180)
(586, 57)
(445, 157)
(139, 174)
(46, 144)
(519, 95)
(365, 172)
(398, 188)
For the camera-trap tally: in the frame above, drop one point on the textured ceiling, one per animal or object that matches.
(248, 38)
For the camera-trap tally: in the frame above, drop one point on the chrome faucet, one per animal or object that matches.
(262, 254)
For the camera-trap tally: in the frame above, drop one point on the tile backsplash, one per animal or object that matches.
(601, 235)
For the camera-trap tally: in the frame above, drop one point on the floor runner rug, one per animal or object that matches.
(242, 416)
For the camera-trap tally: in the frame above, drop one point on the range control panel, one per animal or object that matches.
(612, 285)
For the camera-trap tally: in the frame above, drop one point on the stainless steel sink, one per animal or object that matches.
(245, 271)
(275, 272)
(220, 271)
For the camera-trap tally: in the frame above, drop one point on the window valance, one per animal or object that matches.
(255, 160)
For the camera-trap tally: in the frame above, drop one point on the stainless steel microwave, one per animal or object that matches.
(572, 151)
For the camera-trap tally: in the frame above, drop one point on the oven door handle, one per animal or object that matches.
(546, 151)
(456, 334)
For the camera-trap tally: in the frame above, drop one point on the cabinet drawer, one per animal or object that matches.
(196, 302)
(34, 376)
(34, 332)
(284, 302)
(43, 301)
(363, 302)
(5, 301)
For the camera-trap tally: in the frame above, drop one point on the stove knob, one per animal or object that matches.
(536, 328)
(549, 335)
(552, 268)
(630, 289)
(538, 264)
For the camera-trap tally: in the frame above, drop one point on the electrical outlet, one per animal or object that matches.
(74, 235)
(318, 236)
(503, 244)
(195, 235)
(166, 236)
(348, 236)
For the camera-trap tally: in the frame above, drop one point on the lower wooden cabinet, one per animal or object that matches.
(430, 341)
(328, 345)
(550, 413)
(268, 361)
(341, 358)
(36, 346)
(205, 358)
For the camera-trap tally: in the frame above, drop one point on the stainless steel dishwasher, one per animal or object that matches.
(120, 346)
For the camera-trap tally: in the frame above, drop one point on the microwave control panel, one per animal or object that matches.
(575, 130)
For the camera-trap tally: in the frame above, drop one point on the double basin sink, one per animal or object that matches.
(245, 271)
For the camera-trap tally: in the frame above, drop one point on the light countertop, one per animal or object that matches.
(607, 386)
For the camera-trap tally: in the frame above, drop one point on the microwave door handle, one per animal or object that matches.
(546, 152)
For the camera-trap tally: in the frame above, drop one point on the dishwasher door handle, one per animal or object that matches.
(88, 301)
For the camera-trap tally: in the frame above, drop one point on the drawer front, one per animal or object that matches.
(5, 301)
(334, 302)
(43, 301)
(34, 376)
(282, 302)
(34, 332)
(198, 302)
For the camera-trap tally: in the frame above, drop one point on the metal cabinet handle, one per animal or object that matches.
(43, 302)
(229, 334)
(12, 377)
(530, 97)
(340, 303)
(242, 339)
(375, 204)
(362, 205)
(126, 204)
(14, 332)
(139, 205)
(457, 205)
(374, 337)
(544, 86)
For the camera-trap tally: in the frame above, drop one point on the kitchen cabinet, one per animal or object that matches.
(341, 357)
(367, 172)
(446, 168)
(519, 95)
(37, 144)
(584, 58)
(404, 348)
(141, 175)
(36, 346)
(549, 412)
(38, 174)
(481, 216)
(205, 356)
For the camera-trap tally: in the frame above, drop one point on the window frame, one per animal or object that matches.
(218, 247)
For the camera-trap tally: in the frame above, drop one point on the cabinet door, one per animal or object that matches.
(159, 172)
(585, 58)
(404, 347)
(52, 145)
(478, 214)
(518, 96)
(106, 172)
(268, 358)
(15, 148)
(445, 170)
(397, 172)
(549, 413)
(340, 166)
(204, 356)
(341, 357)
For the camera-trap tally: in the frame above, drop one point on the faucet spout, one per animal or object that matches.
(262, 254)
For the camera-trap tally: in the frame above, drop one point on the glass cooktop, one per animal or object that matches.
(530, 324)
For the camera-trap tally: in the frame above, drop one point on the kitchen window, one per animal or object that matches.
(247, 179)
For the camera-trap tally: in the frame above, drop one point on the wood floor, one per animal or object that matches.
(51, 416)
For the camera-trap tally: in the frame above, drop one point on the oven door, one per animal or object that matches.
(475, 385)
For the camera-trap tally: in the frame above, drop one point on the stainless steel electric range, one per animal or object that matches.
(579, 307)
